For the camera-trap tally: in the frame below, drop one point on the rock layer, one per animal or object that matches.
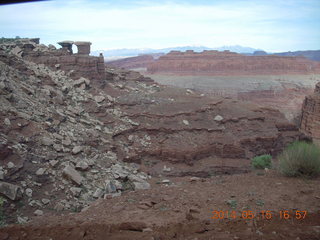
(76, 65)
(229, 63)
(310, 121)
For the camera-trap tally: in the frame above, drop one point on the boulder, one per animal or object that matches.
(82, 165)
(38, 212)
(141, 185)
(110, 187)
(99, 99)
(11, 191)
(72, 174)
(75, 191)
(218, 118)
(77, 149)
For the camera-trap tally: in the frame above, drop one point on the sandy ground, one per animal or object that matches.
(258, 204)
(238, 83)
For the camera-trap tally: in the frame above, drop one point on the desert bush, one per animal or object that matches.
(261, 162)
(300, 159)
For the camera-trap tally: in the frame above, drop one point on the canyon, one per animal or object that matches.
(90, 150)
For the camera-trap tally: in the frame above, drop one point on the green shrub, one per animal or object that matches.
(300, 159)
(262, 162)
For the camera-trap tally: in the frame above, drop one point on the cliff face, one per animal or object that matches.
(80, 65)
(310, 121)
(229, 63)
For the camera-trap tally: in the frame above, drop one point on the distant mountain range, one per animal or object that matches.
(125, 52)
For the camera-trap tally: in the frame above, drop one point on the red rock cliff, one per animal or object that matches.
(229, 63)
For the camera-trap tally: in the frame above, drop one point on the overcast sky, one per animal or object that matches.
(272, 25)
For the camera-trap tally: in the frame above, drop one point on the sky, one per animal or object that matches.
(271, 25)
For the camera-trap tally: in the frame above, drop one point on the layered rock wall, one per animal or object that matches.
(229, 63)
(310, 121)
(77, 65)
(80, 65)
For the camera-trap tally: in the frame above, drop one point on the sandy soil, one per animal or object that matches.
(215, 207)
(237, 83)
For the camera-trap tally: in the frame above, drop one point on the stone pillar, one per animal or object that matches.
(66, 45)
(83, 47)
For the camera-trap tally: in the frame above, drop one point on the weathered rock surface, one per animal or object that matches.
(229, 63)
(310, 119)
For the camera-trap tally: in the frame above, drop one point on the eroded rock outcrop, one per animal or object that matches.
(310, 120)
(75, 65)
(229, 63)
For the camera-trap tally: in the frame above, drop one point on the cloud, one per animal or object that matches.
(271, 25)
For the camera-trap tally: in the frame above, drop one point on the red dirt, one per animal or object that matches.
(183, 210)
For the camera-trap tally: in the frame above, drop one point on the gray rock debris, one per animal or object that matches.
(45, 201)
(10, 165)
(77, 149)
(11, 191)
(70, 173)
(82, 165)
(218, 118)
(38, 212)
(28, 192)
(110, 187)
(81, 81)
(17, 51)
(141, 185)
(47, 141)
(185, 122)
(75, 191)
(99, 99)
(40, 171)
(98, 193)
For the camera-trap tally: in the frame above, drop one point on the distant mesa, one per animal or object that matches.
(211, 62)
(260, 53)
